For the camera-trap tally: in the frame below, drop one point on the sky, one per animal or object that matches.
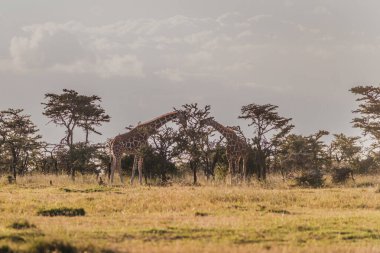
(145, 57)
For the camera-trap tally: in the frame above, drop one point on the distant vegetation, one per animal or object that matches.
(197, 149)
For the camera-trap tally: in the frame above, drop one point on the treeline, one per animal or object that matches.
(195, 148)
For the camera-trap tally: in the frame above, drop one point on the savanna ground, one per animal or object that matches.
(270, 217)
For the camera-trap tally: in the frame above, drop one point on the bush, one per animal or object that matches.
(21, 224)
(311, 178)
(63, 211)
(341, 175)
(11, 179)
(221, 172)
(54, 246)
(5, 249)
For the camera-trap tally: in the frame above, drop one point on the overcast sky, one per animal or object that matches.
(144, 57)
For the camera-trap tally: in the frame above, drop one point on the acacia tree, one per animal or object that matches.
(344, 149)
(301, 153)
(93, 115)
(192, 138)
(164, 146)
(269, 129)
(72, 110)
(211, 153)
(368, 119)
(19, 139)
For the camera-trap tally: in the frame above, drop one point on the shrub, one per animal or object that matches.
(5, 249)
(311, 178)
(63, 211)
(221, 172)
(11, 179)
(21, 224)
(53, 246)
(341, 175)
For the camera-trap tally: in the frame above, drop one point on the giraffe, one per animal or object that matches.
(236, 149)
(133, 141)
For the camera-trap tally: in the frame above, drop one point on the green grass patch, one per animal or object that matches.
(21, 224)
(279, 211)
(201, 214)
(91, 190)
(52, 246)
(13, 238)
(63, 211)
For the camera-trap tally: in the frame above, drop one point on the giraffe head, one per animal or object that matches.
(206, 121)
(182, 118)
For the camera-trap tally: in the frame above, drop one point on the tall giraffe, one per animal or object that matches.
(236, 149)
(133, 141)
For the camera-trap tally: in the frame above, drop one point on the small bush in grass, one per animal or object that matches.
(201, 214)
(11, 180)
(311, 178)
(63, 211)
(53, 246)
(5, 249)
(21, 224)
(341, 175)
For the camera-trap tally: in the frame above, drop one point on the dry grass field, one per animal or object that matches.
(271, 217)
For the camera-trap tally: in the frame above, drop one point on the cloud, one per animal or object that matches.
(321, 10)
(259, 17)
(174, 75)
(177, 49)
(72, 48)
(173, 48)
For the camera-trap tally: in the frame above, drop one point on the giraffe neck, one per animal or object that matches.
(227, 133)
(158, 122)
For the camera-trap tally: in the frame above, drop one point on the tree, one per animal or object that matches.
(164, 146)
(93, 116)
(369, 110)
(344, 149)
(269, 129)
(72, 110)
(303, 153)
(19, 139)
(212, 153)
(192, 138)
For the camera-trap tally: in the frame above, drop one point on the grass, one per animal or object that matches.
(270, 217)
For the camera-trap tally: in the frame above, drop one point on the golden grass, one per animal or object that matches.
(270, 217)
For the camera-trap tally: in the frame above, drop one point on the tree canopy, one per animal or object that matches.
(19, 138)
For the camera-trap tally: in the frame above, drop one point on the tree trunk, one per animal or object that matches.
(261, 173)
(56, 166)
(14, 164)
(193, 166)
(87, 133)
(24, 165)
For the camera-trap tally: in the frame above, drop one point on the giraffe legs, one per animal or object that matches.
(115, 164)
(244, 169)
(140, 167)
(135, 161)
(137, 164)
(120, 171)
(237, 170)
(230, 169)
